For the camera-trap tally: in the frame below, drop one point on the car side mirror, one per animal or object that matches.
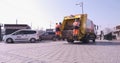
(97, 27)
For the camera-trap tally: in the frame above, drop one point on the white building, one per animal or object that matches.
(117, 32)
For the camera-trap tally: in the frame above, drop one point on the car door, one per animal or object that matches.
(45, 36)
(50, 34)
(20, 36)
(28, 34)
(17, 36)
(25, 35)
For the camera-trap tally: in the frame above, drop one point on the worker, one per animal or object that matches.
(60, 24)
(60, 33)
(57, 30)
(76, 25)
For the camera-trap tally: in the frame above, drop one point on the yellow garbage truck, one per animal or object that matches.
(87, 29)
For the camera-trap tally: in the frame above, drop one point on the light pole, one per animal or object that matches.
(81, 5)
(31, 25)
(1, 32)
(50, 24)
(16, 21)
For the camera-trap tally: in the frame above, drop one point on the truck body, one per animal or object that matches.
(87, 29)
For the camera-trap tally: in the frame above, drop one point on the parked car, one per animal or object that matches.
(48, 36)
(22, 35)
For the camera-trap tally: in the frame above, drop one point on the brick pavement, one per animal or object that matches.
(60, 52)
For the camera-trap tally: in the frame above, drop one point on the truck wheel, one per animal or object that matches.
(86, 38)
(93, 40)
(86, 41)
(70, 40)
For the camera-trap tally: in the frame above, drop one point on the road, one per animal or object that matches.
(60, 52)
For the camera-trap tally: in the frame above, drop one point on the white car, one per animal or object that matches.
(22, 35)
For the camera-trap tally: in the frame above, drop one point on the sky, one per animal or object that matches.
(39, 14)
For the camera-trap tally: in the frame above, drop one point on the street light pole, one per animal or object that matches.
(16, 21)
(82, 8)
(1, 31)
(81, 5)
(50, 24)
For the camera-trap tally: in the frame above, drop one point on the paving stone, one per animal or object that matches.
(60, 52)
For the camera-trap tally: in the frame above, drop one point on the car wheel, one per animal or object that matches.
(40, 38)
(32, 40)
(93, 40)
(9, 40)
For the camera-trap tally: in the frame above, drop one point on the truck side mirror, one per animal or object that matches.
(96, 27)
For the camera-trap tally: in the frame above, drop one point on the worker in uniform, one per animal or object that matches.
(60, 32)
(57, 30)
(76, 25)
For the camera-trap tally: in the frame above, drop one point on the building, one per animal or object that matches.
(49, 30)
(109, 34)
(1, 25)
(117, 32)
(10, 28)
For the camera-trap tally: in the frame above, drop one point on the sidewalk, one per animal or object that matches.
(101, 40)
(108, 40)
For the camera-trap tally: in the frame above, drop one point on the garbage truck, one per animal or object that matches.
(87, 29)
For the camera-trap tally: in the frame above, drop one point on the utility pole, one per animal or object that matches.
(16, 21)
(50, 24)
(31, 25)
(1, 32)
(81, 5)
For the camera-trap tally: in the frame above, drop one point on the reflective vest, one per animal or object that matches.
(57, 26)
(76, 24)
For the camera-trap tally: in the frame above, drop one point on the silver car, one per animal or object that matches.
(22, 35)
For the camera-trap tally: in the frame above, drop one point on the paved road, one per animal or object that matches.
(60, 52)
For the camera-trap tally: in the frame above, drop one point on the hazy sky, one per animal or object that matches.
(40, 13)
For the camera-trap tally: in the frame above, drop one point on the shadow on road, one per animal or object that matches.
(29, 42)
(96, 44)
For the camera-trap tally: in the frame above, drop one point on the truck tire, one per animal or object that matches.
(93, 40)
(70, 40)
(86, 41)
